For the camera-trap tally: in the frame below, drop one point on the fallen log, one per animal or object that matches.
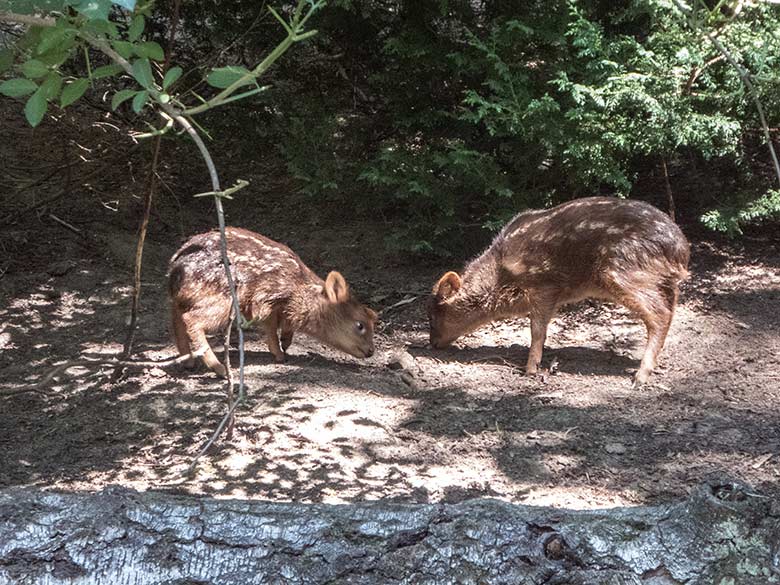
(722, 534)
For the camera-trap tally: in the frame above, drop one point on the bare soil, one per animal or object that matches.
(324, 427)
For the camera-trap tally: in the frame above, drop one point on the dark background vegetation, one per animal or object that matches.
(443, 118)
(440, 119)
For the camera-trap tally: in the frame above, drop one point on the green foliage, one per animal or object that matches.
(106, 71)
(122, 96)
(548, 101)
(73, 91)
(310, 139)
(91, 9)
(17, 87)
(226, 76)
(440, 114)
(45, 55)
(732, 218)
(139, 100)
(137, 28)
(149, 50)
(171, 76)
(142, 71)
(435, 185)
(35, 108)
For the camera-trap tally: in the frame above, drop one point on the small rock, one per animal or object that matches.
(5, 340)
(615, 448)
(407, 379)
(555, 547)
(402, 360)
(157, 373)
(731, 436)
(60, 268)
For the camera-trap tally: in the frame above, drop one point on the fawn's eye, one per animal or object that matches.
(360, 326)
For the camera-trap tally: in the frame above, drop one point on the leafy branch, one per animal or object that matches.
(241, 77)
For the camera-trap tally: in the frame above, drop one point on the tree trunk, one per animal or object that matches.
(722, 535)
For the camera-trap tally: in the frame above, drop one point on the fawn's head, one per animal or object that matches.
(343, 322)
(449, 313)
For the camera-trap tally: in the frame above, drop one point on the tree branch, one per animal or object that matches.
(27, 19)
(184, 122)
(723, 533)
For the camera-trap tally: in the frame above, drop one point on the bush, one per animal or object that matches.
(439, 114)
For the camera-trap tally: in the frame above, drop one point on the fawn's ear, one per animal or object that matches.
(336, 288)
(447, 286)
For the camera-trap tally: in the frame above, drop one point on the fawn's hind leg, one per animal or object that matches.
(540, 315)
(272, 336)
(180, 336)
(655, 306)
(199, 345)
(287, 335)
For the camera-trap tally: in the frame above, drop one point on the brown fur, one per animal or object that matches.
(275, 288)
(623, 251)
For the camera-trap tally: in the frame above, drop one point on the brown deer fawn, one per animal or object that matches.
(627, 252)
(275, 288)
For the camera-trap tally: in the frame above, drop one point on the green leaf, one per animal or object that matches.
(136, 28)
(52, 85)
(122, 96)
(18, 87)
(102, 27)
(140, 100)
(170, 78)
(58, 38)
(126, 4)
(142, 72)
(150, 50)
(227, 76)
(55, 59)
(106, 71)
(31, 38)
(50, 38)
(73, 91)
(124, 48)
(6, 60)
(34, 69)
(35, 107)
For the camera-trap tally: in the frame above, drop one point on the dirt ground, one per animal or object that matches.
(325, 427)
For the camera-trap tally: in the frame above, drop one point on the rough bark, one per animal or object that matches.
(722, 535)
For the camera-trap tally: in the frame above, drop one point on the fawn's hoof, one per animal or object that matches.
(640, 379)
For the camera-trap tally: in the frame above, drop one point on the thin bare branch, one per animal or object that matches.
(148, 198)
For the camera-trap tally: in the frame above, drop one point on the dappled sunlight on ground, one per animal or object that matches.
(450, 424)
